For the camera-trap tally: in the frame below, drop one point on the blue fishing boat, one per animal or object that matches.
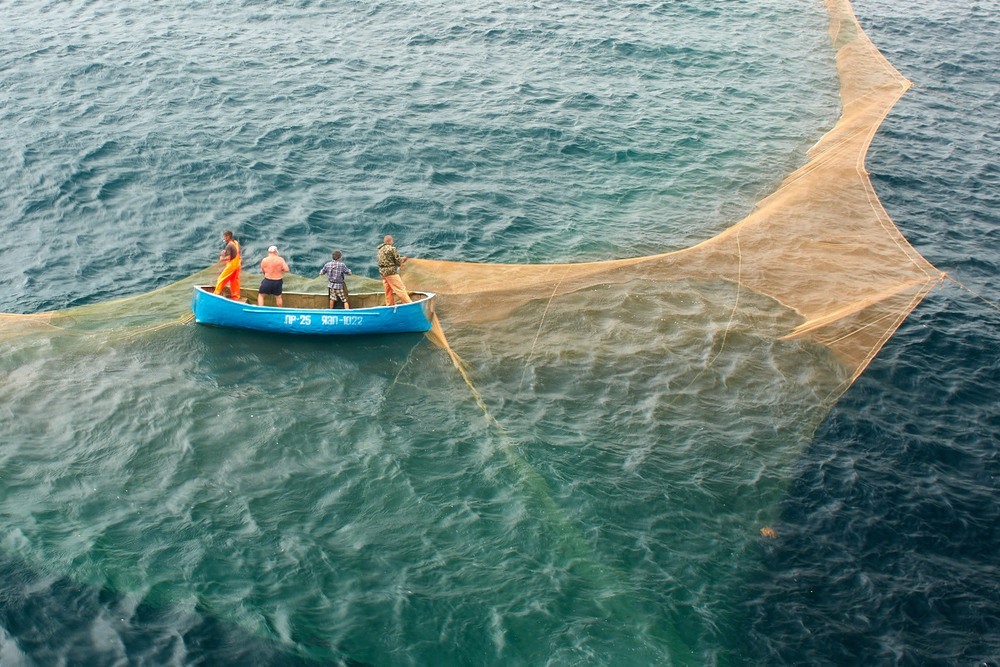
(309, 313)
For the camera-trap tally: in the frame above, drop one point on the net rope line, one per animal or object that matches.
(876, 205)
(185, 319)
(818, 323)
(841, 10)
(859, 329)
(880, 213)
(829, 153)
(839, 391)
(725, 333)
(538, 331)
(974, 293)
(574, 546)
(834, 395)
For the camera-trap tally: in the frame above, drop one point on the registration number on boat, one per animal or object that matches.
(306, 320)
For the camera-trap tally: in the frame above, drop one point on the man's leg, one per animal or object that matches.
(230, 274)
(389, 300)
(234, 285)
(224, 277)
(397, 286)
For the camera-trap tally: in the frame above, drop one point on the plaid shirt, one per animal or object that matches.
(336, 271)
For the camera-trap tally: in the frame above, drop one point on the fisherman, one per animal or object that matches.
(389, 263)
(273, 267)
(336, 287)
(231, 271)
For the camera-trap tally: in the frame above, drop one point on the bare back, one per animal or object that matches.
(273, 267)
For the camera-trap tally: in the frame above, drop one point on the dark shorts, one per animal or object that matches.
(337, 293)
(268, 286)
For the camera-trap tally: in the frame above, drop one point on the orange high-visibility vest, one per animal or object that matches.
(231, 274)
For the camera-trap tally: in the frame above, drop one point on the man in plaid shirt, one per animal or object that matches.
(335, 271)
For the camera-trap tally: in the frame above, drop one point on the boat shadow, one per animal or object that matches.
(261, 343)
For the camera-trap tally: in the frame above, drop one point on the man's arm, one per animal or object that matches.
(284, 267)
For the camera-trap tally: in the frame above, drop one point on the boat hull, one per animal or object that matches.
(216, 310)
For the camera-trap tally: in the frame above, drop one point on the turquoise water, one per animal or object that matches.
(354, 501)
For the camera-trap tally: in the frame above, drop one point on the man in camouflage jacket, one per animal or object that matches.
(389, 262)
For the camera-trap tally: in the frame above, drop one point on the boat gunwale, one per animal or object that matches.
(208, 290)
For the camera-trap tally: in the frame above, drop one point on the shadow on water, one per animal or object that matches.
(262, 362)
(73, 623)
(265, 347)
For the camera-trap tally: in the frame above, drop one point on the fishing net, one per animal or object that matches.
(686, 382)
(821, 249)
(821, 246)
(747, 337)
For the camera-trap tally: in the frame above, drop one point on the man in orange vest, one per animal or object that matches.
(231, 271)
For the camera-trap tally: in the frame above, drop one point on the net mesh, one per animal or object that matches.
(729, 352)
(821, 245)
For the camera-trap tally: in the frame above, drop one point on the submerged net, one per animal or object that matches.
(747, 337)
(686, 382)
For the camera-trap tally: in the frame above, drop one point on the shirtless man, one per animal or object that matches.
(273, 267)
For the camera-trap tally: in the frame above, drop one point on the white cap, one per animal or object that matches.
(273, 248)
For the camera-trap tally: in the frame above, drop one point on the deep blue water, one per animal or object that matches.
(891, 530)
(504, 133)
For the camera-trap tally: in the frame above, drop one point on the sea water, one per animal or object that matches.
(198, 494)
